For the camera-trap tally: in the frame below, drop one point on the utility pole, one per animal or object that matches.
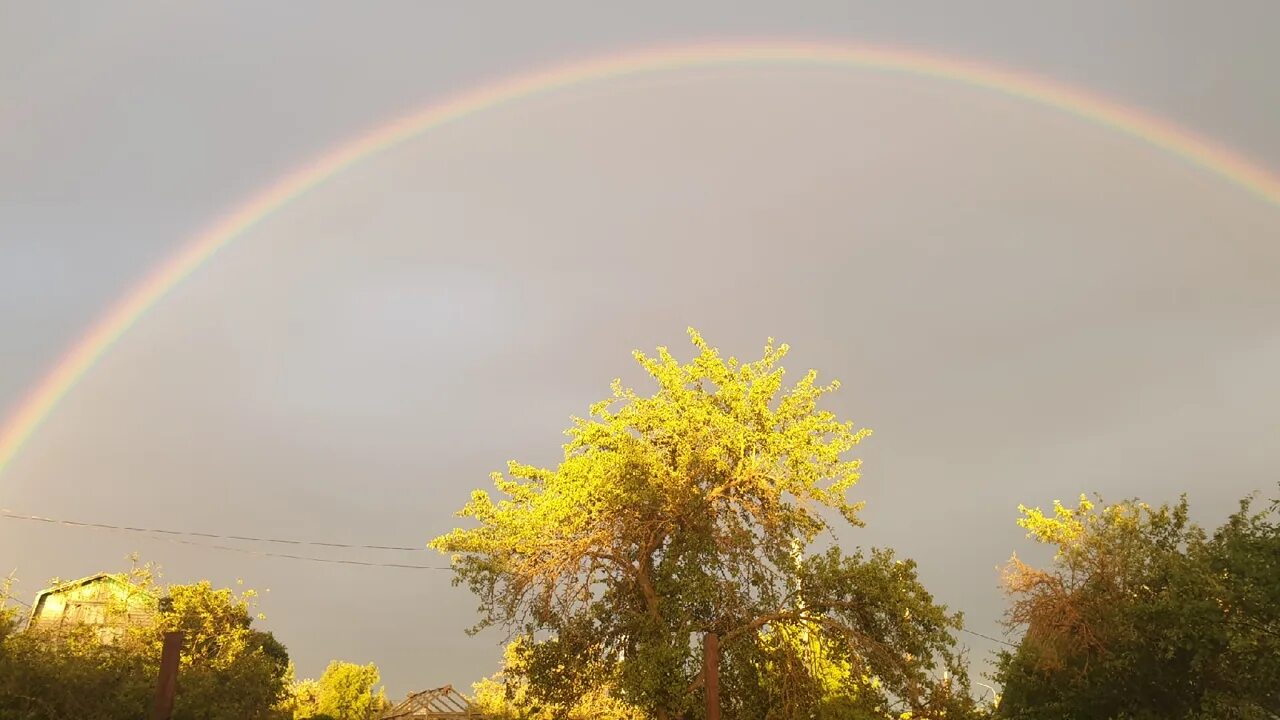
(167, 686)
(711, 674)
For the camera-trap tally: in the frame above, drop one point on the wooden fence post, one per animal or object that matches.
(167, 685)
(711, 674)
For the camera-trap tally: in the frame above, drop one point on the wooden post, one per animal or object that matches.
(711, 674)
(167, 686)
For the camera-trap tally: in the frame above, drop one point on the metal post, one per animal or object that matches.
(167, 686)
(711, 674)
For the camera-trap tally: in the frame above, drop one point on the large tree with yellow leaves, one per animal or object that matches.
(694, 510)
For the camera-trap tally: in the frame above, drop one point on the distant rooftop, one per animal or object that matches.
(442, 703)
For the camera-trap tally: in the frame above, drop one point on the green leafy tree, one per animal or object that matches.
(697, 509)
(1143, 615)
(72, 676)
(1244, 560)
(347, 691)
(303, 701)
(228, 669)
(506, 696)
(221, 651)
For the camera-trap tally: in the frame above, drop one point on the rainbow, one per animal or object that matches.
(117, 321)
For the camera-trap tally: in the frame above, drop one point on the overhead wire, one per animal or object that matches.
(190, 533)
(988, 637)
(287, 556)
(176, 536)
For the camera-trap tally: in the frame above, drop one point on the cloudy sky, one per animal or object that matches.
(1021, 304)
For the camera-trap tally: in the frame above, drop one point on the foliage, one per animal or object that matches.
(857, 647)
(8, 612)
(78, 677)
(347, 691)
(229, 669)
(506, 696)
(690, 511)
(303, 701)
(221, 650)
(1143, 615)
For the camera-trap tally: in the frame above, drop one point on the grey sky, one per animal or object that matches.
(1022, 305)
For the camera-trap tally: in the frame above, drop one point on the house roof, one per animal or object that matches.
(116, 577)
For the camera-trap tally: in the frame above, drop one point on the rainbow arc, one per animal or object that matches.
(116, 322)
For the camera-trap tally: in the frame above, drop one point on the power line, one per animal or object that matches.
(36, 518)
(988, 637)
(175, 537)
(261, 553)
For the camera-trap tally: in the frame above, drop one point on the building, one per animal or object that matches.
(443, 703)
(107, 602)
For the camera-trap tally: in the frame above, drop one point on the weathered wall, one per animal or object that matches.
(105, 602)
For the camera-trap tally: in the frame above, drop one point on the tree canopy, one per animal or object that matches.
(506, 696)
(697, 509)
(1143, 614)
(347, 691)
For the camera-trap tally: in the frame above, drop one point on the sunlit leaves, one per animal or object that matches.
(506, 695)
(683, 511)
(1143, 615)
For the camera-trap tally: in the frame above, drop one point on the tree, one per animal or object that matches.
(303, 701)
(8, 611)
(347, 691)
(506, 696)
(228, 668)
(73, 675)
(1244, 559)
(1143, 615)
(696, 510)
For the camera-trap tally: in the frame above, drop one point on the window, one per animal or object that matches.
(85, 613)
